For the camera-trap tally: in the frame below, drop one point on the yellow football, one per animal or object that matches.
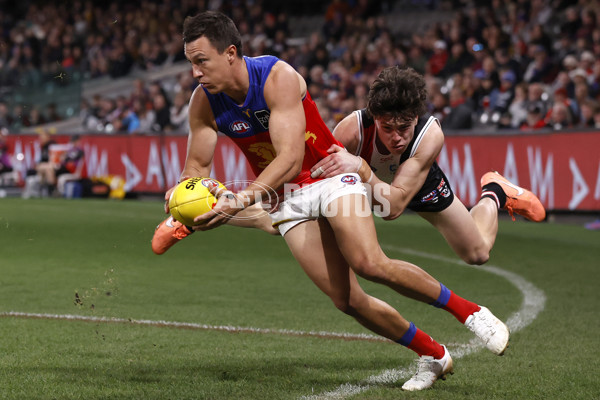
(192, 197)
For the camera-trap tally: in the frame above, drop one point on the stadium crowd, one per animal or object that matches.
(515, 64)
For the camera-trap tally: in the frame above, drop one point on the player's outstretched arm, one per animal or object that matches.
(408, 180)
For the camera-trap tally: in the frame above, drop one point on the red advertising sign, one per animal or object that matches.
(563, 169)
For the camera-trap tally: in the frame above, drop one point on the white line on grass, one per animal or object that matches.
(192, 325)
(532, 304)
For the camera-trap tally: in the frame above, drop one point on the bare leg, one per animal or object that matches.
(313, 245)
(357, 239)
(47, 173)
(470, 235)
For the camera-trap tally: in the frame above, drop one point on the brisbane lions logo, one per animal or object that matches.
(264, 150)
(310, 135)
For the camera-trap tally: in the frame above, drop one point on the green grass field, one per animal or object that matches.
(93, 259)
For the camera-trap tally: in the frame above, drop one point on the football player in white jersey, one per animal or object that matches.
(399, 143)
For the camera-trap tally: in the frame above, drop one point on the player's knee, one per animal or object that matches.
(342, 304)
(372, 269)
(348, 305)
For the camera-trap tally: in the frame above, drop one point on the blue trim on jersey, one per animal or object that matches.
(443, 297)
(408, 336)
(252, 117)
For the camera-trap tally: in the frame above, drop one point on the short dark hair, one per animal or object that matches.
(399, 93)
(217, 27)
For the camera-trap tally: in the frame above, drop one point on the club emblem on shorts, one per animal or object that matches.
(431, 197)
(349, 179)
(443, 188)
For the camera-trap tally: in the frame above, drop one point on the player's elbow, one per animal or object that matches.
(294, 168)
(391, 217)
(394, 213)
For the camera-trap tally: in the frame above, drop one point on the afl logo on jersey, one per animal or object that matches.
(239, 127)
(209, 183)
(349, 179)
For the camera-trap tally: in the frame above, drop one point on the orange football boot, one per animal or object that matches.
(167, 233)
(518, 200)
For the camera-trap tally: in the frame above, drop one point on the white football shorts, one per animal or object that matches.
(310, 202)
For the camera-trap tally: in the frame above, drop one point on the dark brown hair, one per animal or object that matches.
(399, 93)
(217, 27)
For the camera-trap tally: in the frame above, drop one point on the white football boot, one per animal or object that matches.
(493, 332)
(430, 370)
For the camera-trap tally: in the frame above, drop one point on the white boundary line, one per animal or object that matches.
(192, 325)
(533, 303)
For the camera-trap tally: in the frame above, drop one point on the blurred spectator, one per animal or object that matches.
(119, 61)
(70, 166)
(534, 119)
(560, 118)
(179, 113)
(33, 180)
(536, 95)
(518, 106)
(5, 155)
(139, 92)
(45, 141)
(439, 106)
(458, 60)
(439, 58)
(20, 118)
(417, 59)
(35, 118)
(504, 62)
(52, 113)
(460, 115)
(561, 97)
(501, 97)
(582, 92)
(5, 117)
(572, 22)
(145, 115)
(162, 121)
(540, 68)
(86, 115)
(589, 109)
(130, 121)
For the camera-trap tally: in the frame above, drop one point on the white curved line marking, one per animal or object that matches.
(192, 325)
(533, 303)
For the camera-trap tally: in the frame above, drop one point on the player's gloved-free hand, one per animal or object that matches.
(167, 197)
(339, 161)
(228, 205)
